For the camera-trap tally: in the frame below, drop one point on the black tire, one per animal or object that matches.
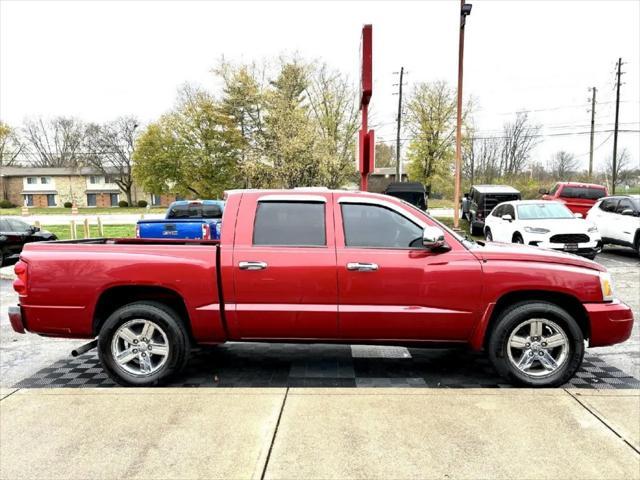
(168, 321)
(511, 319)
(487, 235)
(517, 238)
(473, 230)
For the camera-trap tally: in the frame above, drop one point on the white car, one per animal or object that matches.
(618, 220)
(544, 224)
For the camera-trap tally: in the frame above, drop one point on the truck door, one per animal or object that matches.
(284, 264)
(390, 287)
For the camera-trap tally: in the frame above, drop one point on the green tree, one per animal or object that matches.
(194, 149)
(385, 155)
(243, 99)
(431, 120)
(334, 112)
(290, 140)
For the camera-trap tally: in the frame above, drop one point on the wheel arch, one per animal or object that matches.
(516, 234)
(115, 297)
(568, 302)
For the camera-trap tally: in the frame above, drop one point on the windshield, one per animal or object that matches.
(543, 211)
(195, 210)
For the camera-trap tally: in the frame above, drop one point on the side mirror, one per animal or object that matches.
(433, 238)
(578, 215)
(543, 191)
(507, 217)
(627, 211)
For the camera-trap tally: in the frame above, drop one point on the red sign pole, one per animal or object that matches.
(365, 139)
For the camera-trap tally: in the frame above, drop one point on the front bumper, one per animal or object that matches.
(610, 322)
(16, 320)
(586, 248)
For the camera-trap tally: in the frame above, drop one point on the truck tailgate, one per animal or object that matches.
(174, 228)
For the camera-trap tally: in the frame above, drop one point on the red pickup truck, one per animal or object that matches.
(578, 197)
(319, 266)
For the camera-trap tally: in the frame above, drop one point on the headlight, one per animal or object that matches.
(606, 285)
(592, 229)
(536, 230)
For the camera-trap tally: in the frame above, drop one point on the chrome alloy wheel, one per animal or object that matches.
(538, 347)
(140, 347)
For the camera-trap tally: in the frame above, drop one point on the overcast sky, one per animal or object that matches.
(98, 60)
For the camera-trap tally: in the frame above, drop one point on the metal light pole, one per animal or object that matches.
(465, 9)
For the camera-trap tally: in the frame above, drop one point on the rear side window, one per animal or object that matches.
(609, 205)
(378, 227)
(582, 192)
(300, 224)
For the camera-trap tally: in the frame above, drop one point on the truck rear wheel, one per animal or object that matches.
(536, 344)
(143, 344)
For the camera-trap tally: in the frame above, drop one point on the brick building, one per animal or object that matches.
(52, 187)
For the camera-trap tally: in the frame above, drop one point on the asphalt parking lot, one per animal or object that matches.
(30, 361)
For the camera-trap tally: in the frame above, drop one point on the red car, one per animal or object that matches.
(319, 266)
(579, 197)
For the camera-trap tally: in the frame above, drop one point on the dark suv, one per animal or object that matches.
(14, 233)
(481, 199)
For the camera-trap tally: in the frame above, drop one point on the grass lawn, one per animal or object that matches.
(63, 232)
(464, 226)
(83, 211)
(440, 203)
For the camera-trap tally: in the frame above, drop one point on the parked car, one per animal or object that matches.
(618, 220)
(194, 219)
(412, 192)
(311, 266)
(481, 199)
(578, 197)
(14, 234)
(543, 224)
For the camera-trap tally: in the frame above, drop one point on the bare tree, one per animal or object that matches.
(55, 143)
(563, 165)
(110, 148)
(482, 160)
(519, 139)
(10, 146)
(623, 172)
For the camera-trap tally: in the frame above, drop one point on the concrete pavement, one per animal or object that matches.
(319, 433)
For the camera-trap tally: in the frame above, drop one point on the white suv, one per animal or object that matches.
(618, 220)
(543, 224)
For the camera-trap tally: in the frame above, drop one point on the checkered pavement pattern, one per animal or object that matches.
(300, 365)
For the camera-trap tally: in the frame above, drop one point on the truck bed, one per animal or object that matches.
(75, 279)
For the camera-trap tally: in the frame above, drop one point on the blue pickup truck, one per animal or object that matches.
(186, 219)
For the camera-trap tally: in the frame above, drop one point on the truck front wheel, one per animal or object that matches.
(143, 344)
(536, 344)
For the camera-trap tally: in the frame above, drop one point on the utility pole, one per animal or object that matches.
(593, 119)
(615, 131)
(398, 165)
(465, 9)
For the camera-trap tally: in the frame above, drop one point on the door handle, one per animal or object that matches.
(362, 267)
(252, 265)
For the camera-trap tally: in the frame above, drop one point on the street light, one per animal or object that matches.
(465, 9)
